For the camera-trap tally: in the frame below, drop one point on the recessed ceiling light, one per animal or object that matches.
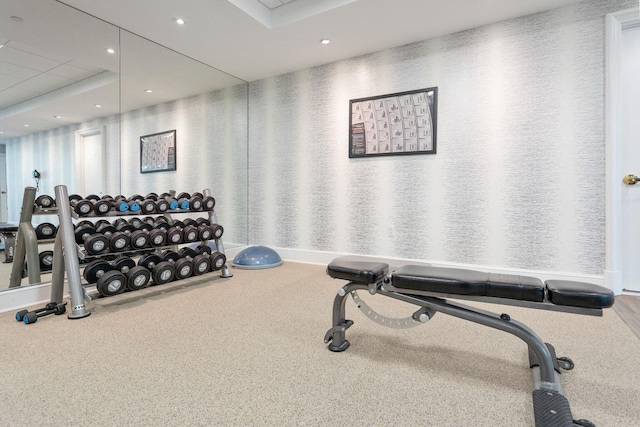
(98, 106)
(148, 90)
(26, 126)
(178, 21)
(325, 41)
(1, 131)
(109, 50)
(57, 117)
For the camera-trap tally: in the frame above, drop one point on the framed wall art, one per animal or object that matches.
(158, 152)
(395, 124)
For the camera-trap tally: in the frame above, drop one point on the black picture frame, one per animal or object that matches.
(402, 123)
(158, 152)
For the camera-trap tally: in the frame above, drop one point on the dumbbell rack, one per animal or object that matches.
(65, 244)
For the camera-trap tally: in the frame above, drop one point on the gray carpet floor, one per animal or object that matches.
(248, 351)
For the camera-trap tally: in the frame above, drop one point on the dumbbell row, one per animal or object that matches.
(124, 273)
(47, 230)
(149, 204)
(106, 237)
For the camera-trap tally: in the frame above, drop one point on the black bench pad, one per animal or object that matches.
(347, 268)
(579, 294)
(468, 282)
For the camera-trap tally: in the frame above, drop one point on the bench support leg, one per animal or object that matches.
(340, 324)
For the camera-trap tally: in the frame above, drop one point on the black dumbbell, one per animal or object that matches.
(109, 280)
(156, 237)
(161, 222)
(132, 204)
(118, 241)
(189, 202)
(119, 203)
(208, 203)
(101, 206)
(45, 202)
(46, 230)
(202, 249)
(46, 260)
(190, 232)
(96, 269)
(135, 221)
(93, 242)
(82, 207)
(172, 201)
(33, 316)
(218, 260)
(20, 314)
(201, 262)
(161, 271)
(183, 266)
(216, 231)
(138, 277)
(204, 232)
(123, 264)
(138, 239)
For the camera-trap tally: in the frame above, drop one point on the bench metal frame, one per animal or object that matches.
(546, 377)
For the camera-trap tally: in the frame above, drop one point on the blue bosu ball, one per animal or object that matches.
(257, 257)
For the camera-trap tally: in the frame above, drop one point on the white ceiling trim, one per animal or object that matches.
(293, 11)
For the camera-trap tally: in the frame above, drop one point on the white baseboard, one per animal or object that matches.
(319, 257)
(18, 298)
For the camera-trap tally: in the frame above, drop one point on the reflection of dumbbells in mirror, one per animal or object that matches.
(46, 231)
(91, 203)
(93, 242)
(45, 202)
(161, 271)
(201, 261)
(46, 260)
(183, 266)
(29, 317)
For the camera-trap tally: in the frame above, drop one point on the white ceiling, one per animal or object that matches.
(220, 34)
(249, 39)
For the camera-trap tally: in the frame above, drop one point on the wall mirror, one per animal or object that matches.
(74, 80)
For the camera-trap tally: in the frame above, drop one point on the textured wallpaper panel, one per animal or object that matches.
(211, 145)
(518, 180)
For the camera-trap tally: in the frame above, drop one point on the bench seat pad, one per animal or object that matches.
(468, 282)
(347, 268)
(579, 294)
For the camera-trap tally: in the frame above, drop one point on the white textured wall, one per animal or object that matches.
(518, 179)
(211, 146)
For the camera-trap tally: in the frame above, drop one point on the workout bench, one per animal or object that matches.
(430, 288)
